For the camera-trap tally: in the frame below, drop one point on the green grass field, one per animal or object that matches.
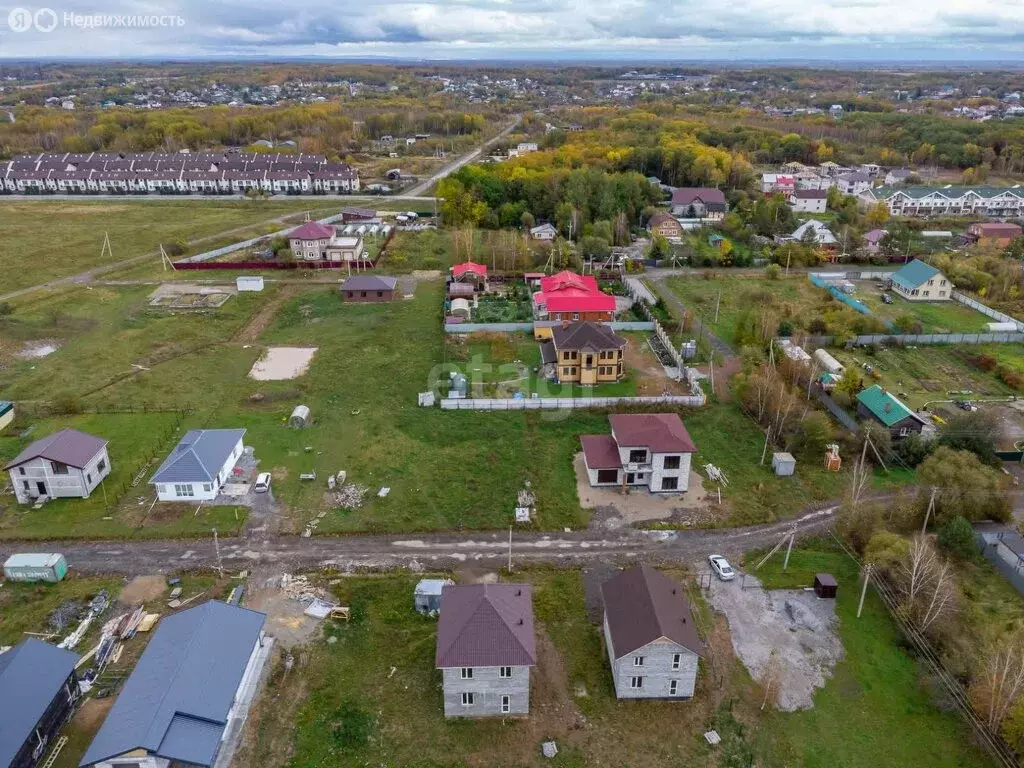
(67, 235)
(934, 316)
(875, 710)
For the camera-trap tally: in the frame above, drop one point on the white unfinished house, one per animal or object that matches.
(199, 465)
(314, 241)
(644, 449)
(652, 643)
(65, 464)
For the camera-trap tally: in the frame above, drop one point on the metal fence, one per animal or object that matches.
(995, 314)
(833, 407)
(1005, 337)
(564, 403)
(990, 549)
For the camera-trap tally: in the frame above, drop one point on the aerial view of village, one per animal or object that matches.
(463, 386)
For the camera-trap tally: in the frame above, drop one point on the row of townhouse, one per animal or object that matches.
(211, 173)
(332, 179)
(991, 202)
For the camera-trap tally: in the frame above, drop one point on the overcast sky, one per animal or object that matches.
(951, 30)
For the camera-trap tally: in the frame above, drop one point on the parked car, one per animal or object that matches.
(262, 484)
(965, 405)
(721, 567)
(886, 298)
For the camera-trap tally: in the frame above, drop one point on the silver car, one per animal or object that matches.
(721, 567)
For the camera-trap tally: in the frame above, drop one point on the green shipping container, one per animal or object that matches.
(30, 566)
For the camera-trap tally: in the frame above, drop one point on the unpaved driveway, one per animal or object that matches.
(794, 625)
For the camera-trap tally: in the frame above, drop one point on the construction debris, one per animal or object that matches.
(148, 622)
(384, 491)
(350, 496)
(549, 749)
(715, 474)
(67, 612)
(525, 501)
(712, 737)
(319, 609)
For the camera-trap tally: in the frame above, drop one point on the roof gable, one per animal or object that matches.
(68, 446)
(312, 230)
(486, 625)
(586, 334)
(914, 273)
(658, 432)
(198, 456)
(176, 701)
(643, 605)
(885, 406)
(31, 675)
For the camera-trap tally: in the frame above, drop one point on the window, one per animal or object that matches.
(607, 475)
(677, 658)
(380, 294)
(101, 466)
(904, 431)
(505, 672)
(636, 682)
(58, 468)
(638, 661)
(673, 687)
(88, 477)
(467, 699)
(21, 470)
(671, 462)
(669, 483)
(25, 483)
(207, 487)
(183, 489)
(362, 294)
(575, 315)
(506, 703)
(467, 673)
(638, 456)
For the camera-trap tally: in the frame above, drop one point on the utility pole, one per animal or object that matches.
(216, 546)
(510, 549)
(103, 487)
(764, 450)
(789, 257)
(928, 512)
(718, 304)
(785, 563)
(864, 588)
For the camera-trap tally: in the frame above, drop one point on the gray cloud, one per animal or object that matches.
(543, 28)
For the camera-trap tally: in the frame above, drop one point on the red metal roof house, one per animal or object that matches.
(570, 297)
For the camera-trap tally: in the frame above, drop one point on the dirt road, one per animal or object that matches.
(263, 549)
(424, 186)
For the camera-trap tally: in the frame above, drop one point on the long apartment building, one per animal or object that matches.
(183, 173)
(992, 202)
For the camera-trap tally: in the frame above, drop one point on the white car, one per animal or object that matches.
(721, 567)
(262, 484)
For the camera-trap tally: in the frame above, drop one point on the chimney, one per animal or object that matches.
(888, 407)
(519, 592)
(520, 622)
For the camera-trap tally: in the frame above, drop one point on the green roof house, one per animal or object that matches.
(876, 404)
(918, 281)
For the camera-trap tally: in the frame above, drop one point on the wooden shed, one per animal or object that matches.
(825, 585)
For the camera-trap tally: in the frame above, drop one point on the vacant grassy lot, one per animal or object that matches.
(66, 237)
(875, 711)
(930, 373)
(117, 509)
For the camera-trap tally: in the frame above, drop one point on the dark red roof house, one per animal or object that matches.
(485, 648)
(644, 449)
(312, 230)
(569, 297)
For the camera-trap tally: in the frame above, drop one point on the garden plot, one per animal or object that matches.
(282, 363)
(788, 635)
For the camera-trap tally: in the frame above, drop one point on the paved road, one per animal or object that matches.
(424, 186)
(262, 547)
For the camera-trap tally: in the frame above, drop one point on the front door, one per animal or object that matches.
(41, 486)
(630, 478)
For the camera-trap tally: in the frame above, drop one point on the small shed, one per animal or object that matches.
(825, 586)
(461, 308)
(460, 290)
(784, 464)
(427, 595)
(32, 566)
(249, 283)
(300, 417)
(6, 413)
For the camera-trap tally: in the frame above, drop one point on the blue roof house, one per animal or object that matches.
(199, 465)
(918, 281)
(189, 693)
(38, 689)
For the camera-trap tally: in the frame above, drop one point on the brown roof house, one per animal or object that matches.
(586, 353)
(994, 232)
(699, 203)
(652, 642)
(644, 449)
(369, 288)
(485, 648)
(67, 463)
(665, 225)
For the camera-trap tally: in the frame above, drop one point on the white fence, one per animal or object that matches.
(995, 314)
(564, 403)
(513, 327)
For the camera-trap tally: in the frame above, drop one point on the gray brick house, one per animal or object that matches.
(66, 463)
(485, 648)
(652, 643)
